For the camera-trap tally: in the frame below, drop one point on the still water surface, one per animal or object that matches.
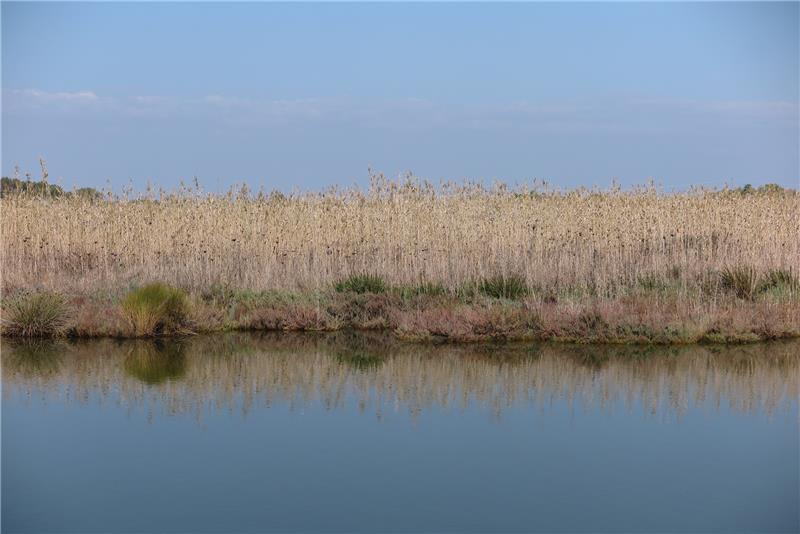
(251, 433)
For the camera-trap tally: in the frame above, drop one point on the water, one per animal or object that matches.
(336, 433)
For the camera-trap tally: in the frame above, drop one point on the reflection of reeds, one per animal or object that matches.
(240, 370)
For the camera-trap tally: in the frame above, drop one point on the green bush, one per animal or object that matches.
(504, 287)
(35, 315)
(156, 309)
(361, 283)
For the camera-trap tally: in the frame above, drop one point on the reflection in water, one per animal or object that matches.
(359, 351)
(238, 370)
(154, 362)
(35, 357)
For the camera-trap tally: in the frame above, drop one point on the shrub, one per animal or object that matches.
(504, 287)
(156, 309)
(361, 283)
(35, 315)
(739, 280)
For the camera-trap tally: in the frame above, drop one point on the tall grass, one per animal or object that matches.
(601, 243)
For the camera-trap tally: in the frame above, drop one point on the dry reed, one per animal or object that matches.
(407, 232)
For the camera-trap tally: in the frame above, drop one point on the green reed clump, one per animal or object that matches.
(35, 315)
(361, 283)
(509, 287)
(742, 281)
(156, 309)
(779, 281)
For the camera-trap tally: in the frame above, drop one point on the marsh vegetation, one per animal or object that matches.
(452, 262)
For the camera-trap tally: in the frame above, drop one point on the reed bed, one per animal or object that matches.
(240, 372)
(408, 232)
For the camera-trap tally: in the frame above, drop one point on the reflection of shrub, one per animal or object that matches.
(359, 352)
(154, 362)
(35, 315)
(34, 357)
(156, 309)
(361, 283)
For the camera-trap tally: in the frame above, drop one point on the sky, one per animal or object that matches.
(305, 96)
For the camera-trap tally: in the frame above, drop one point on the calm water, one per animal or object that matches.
(244, 433)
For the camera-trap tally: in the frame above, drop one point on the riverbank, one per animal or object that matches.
(422, 314)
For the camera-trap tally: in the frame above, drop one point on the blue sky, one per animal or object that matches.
(310, 95)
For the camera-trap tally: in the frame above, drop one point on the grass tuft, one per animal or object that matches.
(504, 287)
(156, 309)
(35, 315)
(742, 281)
(779, 281)
(361, 283)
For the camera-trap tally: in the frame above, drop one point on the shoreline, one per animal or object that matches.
(643, 317)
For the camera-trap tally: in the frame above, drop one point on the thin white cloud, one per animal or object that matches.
(61, 96)
(226, 101)
(38, 100)
(149, 99)
(767, 109)
(215, 99)
(608, 115)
